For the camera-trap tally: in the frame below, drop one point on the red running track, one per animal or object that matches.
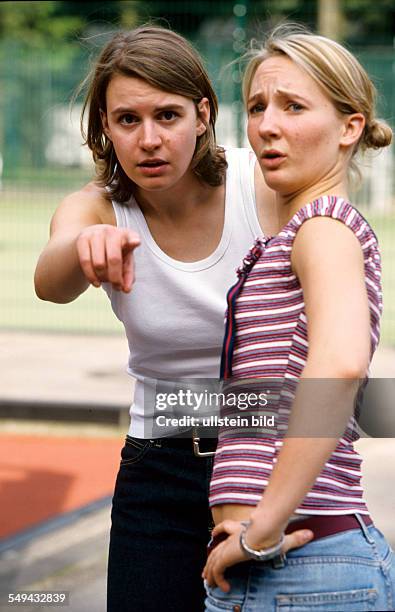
(43, 476)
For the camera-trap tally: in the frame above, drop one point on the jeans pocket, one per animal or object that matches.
(356, 600)
(217, 600)
(134, 450)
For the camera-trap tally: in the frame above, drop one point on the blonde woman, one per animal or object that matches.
(306, 307)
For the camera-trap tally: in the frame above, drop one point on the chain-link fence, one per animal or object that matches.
(42, 157)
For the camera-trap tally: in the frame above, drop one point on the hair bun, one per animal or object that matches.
(377, 134)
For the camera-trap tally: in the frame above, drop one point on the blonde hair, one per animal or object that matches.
(335, 69)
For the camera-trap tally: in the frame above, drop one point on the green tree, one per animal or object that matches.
(44, 48)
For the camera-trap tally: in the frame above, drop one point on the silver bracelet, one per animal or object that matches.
(265, 554)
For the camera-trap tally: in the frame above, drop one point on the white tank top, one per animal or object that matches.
(174, 315)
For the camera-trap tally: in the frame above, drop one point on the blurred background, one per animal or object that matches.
(45, 51)
(63, 392)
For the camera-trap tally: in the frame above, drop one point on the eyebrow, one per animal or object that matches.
(120, 110)
(281, 91)
(288, 92)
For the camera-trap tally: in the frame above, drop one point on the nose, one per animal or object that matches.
(269, 126)
(149, 137)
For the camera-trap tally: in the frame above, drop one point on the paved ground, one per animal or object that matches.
(72, 558)
(75, 370)
(64, 368)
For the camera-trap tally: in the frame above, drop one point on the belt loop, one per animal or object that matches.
(364, 528)
(278, 562)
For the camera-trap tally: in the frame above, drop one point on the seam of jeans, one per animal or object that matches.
(367, 594)
(248, 589)
(142, 452)
(135, 442)
(316, 559)
(385, 569)
(388, 558)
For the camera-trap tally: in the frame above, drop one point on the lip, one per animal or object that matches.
(271, 158)
(153, 166)
(152, 160)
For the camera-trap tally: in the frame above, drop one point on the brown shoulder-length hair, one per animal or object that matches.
(166, 61)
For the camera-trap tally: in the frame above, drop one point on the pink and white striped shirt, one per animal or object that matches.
(266, 337)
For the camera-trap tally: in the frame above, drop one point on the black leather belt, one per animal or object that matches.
(201, 446)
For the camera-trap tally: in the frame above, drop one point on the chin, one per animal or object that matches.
(274, 182)
(278, 182)
(154, 184)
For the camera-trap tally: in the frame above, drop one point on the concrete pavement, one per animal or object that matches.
(71, 371)
(71, 558)
(77, 369)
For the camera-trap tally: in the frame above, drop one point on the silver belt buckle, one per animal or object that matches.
(196, 449)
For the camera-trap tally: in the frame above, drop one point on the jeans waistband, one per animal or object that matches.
(321, 526)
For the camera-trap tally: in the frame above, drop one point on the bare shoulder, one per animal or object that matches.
(322, 231)
(323, 242)
(87, 206)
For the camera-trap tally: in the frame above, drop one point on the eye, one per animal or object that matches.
(127, 119)
(295, 107)
(256, 108)
(168, 115)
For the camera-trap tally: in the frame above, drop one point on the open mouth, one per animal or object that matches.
(272, 159)
(272, 155)
(152, 164)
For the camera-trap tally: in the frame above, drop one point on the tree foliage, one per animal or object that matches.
(36, 25)
(42, 25)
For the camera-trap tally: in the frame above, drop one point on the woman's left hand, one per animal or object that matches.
(229, 552)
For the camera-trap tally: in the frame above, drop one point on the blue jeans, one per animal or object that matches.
(160, 528)
(349, 571)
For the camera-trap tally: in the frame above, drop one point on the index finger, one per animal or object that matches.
(130, 240)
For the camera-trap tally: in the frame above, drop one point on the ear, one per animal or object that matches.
(104, 122)
(203, 116)
(352, 129)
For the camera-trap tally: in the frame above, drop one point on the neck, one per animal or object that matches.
(289, 204)
(175, 201)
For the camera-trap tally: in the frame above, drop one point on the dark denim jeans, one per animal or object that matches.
(161, 525)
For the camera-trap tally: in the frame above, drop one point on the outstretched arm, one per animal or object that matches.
(85, 247)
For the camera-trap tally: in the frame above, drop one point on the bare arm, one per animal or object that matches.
(84, 248)
(328, 261)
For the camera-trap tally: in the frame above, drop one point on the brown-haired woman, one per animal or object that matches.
(190, 209)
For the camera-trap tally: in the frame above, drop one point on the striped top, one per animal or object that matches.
(266, 338)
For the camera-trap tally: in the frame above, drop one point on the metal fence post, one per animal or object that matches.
(240, 11)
